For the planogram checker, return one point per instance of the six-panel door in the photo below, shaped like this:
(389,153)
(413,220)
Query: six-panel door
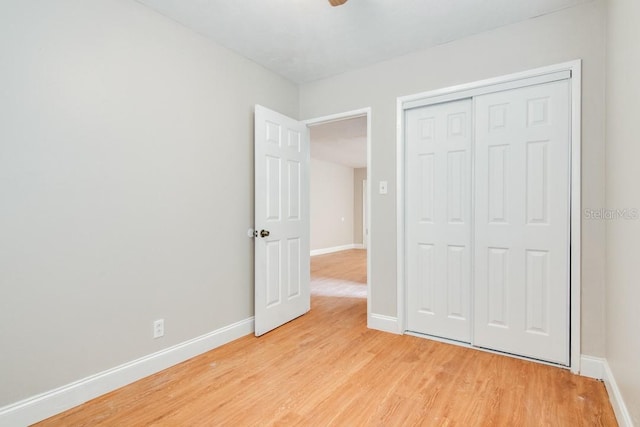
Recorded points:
(439,219)
(522,184)
(282,278)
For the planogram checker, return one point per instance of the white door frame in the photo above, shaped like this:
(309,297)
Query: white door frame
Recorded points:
(365,198)
(362,112)
(488,86)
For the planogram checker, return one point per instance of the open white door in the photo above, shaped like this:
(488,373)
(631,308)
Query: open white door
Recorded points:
(281,220)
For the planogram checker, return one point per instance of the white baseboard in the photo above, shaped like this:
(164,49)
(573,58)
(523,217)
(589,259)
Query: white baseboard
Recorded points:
(45,405)
(383,323)
(333,249)
(598,368)
(592,367)
(615,397)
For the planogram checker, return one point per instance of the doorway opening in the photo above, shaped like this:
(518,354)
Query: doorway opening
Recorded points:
(340,207)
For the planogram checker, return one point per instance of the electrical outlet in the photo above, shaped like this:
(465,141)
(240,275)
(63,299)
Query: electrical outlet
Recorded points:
(158,328)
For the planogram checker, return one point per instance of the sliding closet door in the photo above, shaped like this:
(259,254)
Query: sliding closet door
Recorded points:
(522,183)
(438,167)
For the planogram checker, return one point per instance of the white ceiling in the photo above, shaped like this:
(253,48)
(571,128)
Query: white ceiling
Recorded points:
(343,142)
(306,40)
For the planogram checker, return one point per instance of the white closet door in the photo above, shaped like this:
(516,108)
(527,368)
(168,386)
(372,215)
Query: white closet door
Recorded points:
(439,219)
(521,271)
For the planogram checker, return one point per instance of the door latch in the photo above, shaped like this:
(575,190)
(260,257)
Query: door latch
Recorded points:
(255,233)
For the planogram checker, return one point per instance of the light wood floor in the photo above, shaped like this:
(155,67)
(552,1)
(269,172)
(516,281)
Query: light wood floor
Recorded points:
(327,368)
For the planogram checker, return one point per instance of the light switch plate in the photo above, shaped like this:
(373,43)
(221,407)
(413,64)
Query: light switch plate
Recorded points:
(383,187)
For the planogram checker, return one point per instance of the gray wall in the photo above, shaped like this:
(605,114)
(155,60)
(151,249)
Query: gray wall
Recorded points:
(126,186)
(567,35)
(331,202)
(359,175)
(623,178)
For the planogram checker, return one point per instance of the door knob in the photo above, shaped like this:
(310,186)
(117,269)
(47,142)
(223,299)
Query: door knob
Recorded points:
(264,233)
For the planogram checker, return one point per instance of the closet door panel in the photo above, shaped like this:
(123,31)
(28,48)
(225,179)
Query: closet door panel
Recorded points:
(521,229)
(439,219)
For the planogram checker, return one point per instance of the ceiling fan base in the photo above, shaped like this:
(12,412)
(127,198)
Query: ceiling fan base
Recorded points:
(337,2)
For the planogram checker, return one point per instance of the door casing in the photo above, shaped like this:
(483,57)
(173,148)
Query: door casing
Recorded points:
(573,69)
(365,198)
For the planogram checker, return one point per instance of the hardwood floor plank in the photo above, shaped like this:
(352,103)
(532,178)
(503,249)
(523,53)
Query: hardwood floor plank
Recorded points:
(326,368)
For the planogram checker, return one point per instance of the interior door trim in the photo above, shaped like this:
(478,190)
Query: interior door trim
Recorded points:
(571,70)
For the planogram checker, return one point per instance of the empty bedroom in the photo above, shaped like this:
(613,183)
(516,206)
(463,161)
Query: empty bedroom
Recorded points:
(319,212)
